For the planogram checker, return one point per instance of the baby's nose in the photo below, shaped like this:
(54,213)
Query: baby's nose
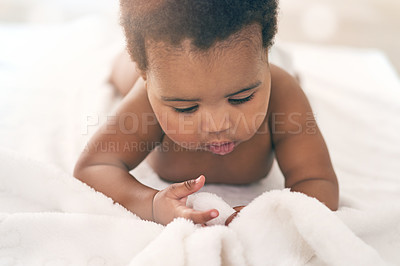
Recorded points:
(216,123)
(217,132)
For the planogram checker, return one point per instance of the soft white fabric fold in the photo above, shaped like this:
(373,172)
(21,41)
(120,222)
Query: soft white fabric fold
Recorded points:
(48,216)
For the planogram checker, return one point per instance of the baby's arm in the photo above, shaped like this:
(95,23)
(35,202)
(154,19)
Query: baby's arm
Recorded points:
(300,149)
(110,154)
(118,147)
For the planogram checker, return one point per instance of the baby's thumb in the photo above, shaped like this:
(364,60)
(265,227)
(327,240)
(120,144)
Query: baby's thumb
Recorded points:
(184,189)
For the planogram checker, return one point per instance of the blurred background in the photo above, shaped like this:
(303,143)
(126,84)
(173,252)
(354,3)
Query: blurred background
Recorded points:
(355,23)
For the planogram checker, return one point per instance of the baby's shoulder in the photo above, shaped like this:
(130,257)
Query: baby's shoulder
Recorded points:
(136,114)
(289,109)
(286,92)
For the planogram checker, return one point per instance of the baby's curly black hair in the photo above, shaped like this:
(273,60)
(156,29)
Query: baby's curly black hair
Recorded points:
(204,22)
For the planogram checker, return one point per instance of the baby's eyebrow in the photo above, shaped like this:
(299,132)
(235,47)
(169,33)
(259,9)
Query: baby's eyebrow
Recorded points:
(169,99)
(255,85)
(172,99)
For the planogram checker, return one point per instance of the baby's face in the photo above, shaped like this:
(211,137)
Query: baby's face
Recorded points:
(214,97)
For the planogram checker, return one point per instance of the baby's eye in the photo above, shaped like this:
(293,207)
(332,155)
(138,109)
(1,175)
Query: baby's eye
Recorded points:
(186,110)
(243,100)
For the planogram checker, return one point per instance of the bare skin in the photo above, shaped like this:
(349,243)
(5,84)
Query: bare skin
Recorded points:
(277,121)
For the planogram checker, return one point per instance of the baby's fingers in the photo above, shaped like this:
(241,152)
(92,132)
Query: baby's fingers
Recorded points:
(230,218)
(198,217)
(184,189)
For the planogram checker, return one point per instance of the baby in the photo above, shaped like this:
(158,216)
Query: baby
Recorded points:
(204,102)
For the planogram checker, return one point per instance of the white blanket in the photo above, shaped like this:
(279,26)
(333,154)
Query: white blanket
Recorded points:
(52,101)
(48,217)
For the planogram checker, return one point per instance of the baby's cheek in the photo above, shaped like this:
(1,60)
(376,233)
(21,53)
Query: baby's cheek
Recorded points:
(257,120)
(180,125)
(185,140)
(243,125)
(257,116)
(181,130)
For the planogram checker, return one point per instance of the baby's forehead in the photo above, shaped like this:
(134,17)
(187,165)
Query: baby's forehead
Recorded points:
(248,35)
(248,40)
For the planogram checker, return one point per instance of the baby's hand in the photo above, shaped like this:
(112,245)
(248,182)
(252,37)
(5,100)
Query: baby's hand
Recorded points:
(230,218)
(170,203)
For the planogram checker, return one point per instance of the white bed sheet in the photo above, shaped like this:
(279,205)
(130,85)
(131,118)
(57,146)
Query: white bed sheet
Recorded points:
(54,94)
